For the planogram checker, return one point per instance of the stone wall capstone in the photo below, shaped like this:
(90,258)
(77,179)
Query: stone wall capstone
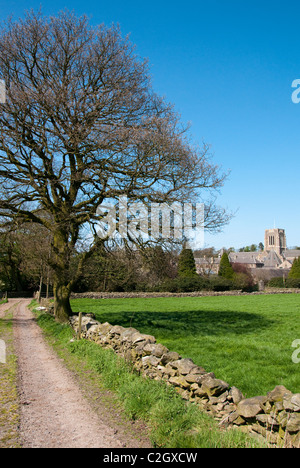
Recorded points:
(276,416)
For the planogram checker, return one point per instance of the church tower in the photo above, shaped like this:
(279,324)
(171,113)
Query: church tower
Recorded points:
(275,239)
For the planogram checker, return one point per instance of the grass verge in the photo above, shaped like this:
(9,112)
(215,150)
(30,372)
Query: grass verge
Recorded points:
(172,423)
(9,406)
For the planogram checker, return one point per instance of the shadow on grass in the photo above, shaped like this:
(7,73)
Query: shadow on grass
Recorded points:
(189,322)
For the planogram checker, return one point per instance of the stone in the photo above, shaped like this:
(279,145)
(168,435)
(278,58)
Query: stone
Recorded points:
(179,382)
(169,357)
(104,328)
(150,361)
(295,440)
(170,371)
(184,366)
(193,378)
(139,348)
(293,422)
(197,370)
(220,399)
(214,387)
(251,407)
(206,376)
(149,348)
(138,337)
(127,335)
(235,395)
(235,418)
(267,420)
(278,405)
(93,330)
(282,418)
(183,393)
(200,393)
(278,393)
(295,401)
(159,350)
(117,330)
(291,402)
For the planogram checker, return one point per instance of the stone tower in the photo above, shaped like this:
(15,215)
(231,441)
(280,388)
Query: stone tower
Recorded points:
(275,239)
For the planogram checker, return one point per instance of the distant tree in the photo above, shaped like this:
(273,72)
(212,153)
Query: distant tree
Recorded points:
(261,246)
(295,270)
(249,248)
(225,269)
(186,263)
(242,276)
(24,254)
(208,252)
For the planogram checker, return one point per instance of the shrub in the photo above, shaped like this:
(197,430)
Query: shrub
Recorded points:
(186,264)
(276,283)
(218,283)
(225,270)
(244,282)
(295,270)
(185,284)
(292,283)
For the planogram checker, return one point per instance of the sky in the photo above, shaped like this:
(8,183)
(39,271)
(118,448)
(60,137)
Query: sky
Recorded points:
(228,68)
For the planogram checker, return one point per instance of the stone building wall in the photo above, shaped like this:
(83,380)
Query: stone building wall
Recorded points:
(275,416)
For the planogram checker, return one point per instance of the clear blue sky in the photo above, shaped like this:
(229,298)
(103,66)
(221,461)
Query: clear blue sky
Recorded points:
(228,67)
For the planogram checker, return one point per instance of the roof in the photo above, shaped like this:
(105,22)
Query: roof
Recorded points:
(272,260)
(292,253)
(244,257)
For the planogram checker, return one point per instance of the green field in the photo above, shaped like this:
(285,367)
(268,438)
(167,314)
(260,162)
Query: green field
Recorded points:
(244,340)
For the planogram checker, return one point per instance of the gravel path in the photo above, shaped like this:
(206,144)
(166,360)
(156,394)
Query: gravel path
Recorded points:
(54,413)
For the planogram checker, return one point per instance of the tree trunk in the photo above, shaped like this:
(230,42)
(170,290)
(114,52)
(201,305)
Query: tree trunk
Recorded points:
(61,281)
(62,307)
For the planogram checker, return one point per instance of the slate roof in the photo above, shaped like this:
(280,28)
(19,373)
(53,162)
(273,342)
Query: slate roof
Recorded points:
(272,260)
(244,257)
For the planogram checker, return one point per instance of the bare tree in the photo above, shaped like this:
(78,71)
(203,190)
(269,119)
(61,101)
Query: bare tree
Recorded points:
(81,124)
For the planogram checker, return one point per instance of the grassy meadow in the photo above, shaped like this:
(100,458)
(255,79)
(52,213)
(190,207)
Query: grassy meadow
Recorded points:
(244,340)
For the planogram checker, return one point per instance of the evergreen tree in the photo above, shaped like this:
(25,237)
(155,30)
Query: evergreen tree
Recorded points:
(225,270)
(186,263)
(295,270)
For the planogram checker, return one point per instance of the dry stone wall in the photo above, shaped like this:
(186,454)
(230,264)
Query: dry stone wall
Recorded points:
(275,416)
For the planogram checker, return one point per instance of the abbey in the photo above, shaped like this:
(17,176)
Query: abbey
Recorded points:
(275,260)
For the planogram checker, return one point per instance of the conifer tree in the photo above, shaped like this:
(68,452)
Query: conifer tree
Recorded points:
(295,270)
(186,264)
(225,269)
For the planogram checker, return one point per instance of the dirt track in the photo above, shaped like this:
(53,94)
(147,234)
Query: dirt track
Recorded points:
(54,413)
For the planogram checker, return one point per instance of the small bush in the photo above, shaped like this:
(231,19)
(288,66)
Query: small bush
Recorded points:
(185,284)
(218,283)
(276,283)
(292,283)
